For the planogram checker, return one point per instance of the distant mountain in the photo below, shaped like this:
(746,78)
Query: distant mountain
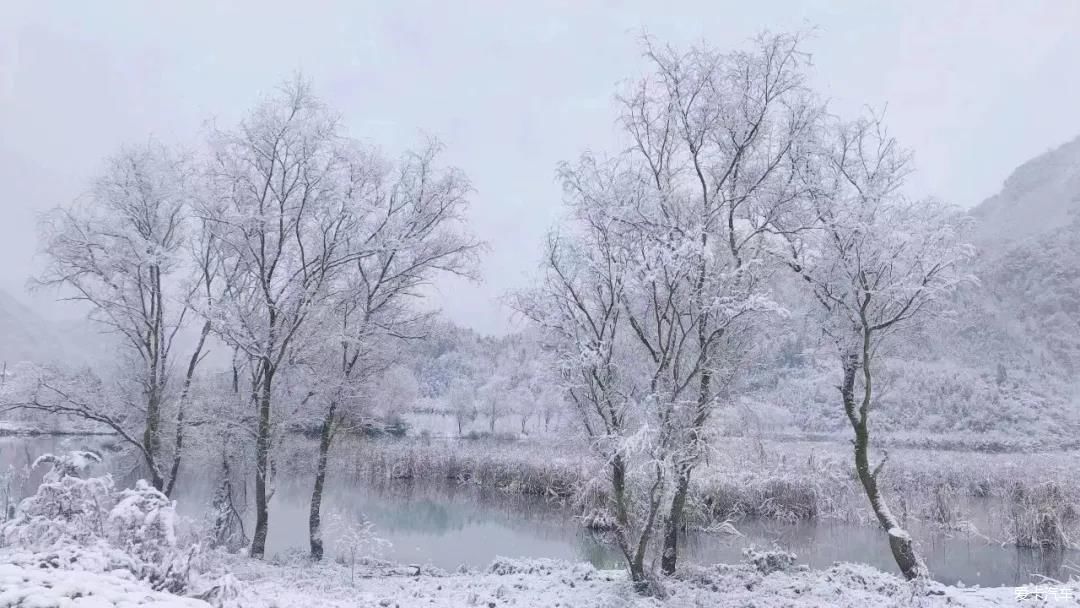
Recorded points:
(1041,196)
(1005,370)
(1029,263)
(26,336)
(1019,332)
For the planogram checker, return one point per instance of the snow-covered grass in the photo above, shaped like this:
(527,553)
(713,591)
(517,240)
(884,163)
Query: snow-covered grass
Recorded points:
(519,467)
(543,583)
(988,494)
(240,582)
(1042,517)
(52,426)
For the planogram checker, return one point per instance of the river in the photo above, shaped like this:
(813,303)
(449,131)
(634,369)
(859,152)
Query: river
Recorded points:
(450,525)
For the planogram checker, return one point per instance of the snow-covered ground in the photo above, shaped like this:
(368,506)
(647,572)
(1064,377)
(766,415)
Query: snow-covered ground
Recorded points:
(239,582)
(23,586)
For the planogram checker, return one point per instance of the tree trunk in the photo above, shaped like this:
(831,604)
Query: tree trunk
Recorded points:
(178,449)
(635,560)
(676,519)
(675,522)
(900,543)
(262,462)
(315,514)
(618,486)
(155,350)
(150,437)
(637,575)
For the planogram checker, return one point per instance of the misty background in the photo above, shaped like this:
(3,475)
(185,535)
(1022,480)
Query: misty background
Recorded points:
(975,88)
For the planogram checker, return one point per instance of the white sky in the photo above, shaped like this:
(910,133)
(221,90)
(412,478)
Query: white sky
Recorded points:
(975,88)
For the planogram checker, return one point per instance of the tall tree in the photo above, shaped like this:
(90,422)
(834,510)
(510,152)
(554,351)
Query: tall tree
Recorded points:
(409,230)
(720,139)
(285,185)
(875,262)
(610,378)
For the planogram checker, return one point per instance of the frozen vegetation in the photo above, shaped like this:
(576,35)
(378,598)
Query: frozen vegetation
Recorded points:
(740,317)
(79,542)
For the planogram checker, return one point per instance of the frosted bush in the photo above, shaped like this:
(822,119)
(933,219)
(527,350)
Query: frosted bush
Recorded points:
(143,520)
(354,539)
(768,562)
(73,519)
(143,523)
(65,509)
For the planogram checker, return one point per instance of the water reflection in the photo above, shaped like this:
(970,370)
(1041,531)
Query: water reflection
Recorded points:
(448,525)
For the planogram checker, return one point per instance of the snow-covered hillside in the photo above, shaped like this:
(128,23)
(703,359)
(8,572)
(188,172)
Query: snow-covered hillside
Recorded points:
(1002,370)
(1040,196)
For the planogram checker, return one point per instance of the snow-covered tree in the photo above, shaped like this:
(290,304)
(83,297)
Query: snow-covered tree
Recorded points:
(122,253)
(718,140)
(875,262)
(322,244)
(608,375)
(408,230)
(462,402)
(666,263)
(284,186)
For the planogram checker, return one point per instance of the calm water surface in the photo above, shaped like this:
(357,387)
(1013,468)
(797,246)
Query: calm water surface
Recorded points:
(449,525)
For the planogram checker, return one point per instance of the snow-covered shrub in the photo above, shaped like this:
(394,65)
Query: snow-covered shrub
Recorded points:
(73,521)
(65,509)
(599,519)
(143,523)
(228,592)
(768,562)
(224,526)
(353,539)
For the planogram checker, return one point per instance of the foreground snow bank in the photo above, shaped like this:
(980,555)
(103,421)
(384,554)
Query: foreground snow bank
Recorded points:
(528,583)
(245,583)
(23,586)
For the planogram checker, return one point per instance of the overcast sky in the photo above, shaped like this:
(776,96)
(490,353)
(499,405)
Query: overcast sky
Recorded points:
(975,88)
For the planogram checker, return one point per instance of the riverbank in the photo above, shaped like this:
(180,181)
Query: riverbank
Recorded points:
(10,428)
(1025,500)
(58,553)
(239,582)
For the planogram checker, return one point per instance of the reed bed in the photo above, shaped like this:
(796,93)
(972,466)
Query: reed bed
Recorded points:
(1030,500)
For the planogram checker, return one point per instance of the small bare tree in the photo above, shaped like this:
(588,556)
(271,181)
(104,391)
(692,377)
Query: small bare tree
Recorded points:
(874,261)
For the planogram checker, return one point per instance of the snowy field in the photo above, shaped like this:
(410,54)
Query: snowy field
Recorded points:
(506,583)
